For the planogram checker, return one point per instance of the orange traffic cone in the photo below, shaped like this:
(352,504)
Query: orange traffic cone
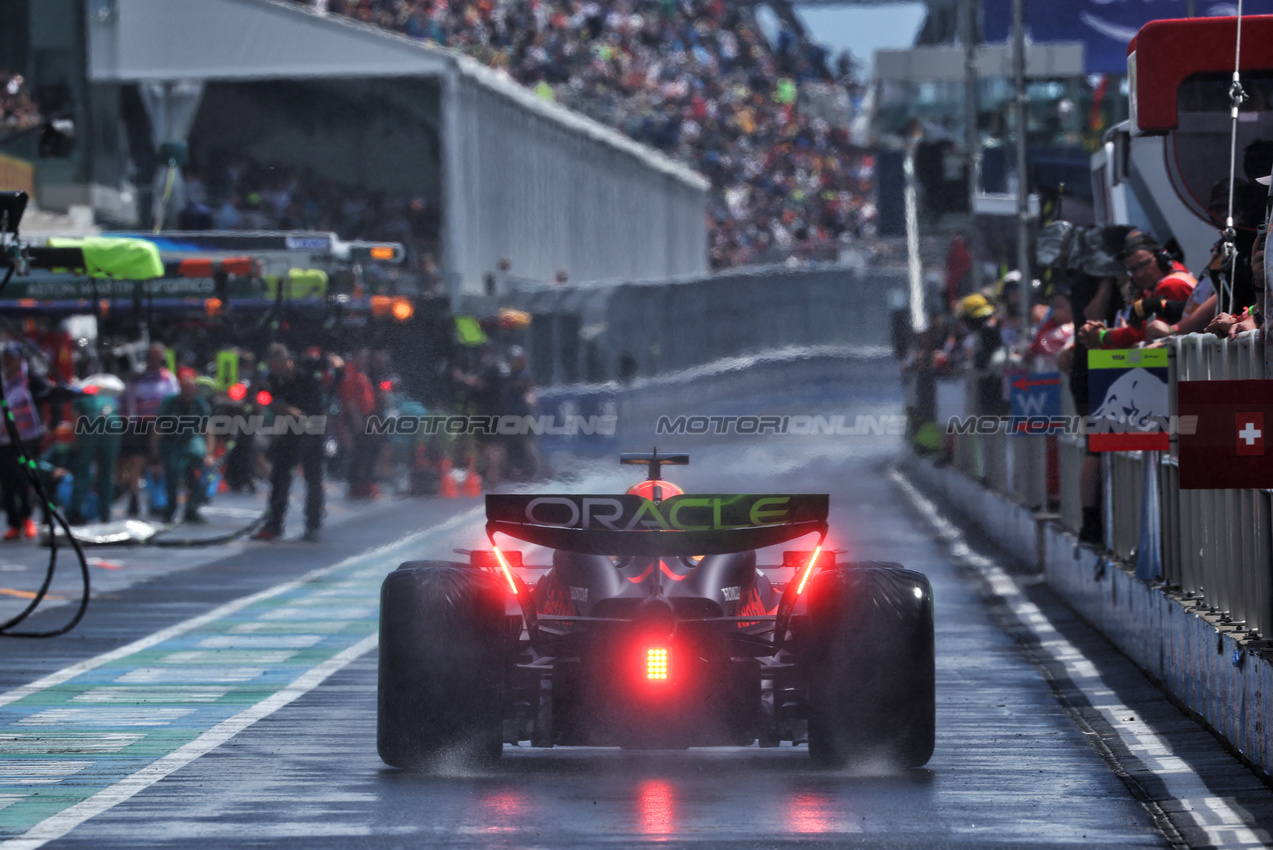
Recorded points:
(447,488)
(472,485)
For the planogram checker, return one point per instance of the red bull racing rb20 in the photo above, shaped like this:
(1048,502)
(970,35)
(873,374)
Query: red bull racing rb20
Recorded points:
(655,624)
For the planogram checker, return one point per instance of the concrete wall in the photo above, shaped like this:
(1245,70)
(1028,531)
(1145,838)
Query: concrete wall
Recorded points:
(1227,682)
(583,334)
(551,191)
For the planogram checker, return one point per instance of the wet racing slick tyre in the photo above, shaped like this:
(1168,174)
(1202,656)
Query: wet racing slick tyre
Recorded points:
(440,681)
(868,657)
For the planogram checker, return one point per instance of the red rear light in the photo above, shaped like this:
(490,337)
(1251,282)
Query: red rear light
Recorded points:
(264,399)
(237,392)
(808,570)
(656,662)
(506,569)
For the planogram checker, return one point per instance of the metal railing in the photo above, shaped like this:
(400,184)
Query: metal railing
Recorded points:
(1122,476)
(1216,545)
(1070,453)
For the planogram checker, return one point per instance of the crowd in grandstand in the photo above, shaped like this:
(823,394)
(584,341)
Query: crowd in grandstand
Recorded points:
(696,79)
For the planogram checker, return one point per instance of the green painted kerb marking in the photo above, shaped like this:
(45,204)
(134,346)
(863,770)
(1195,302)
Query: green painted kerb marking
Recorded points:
(89,737)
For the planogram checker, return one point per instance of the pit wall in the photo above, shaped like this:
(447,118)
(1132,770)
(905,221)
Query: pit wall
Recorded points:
(591,334)
(1202,662)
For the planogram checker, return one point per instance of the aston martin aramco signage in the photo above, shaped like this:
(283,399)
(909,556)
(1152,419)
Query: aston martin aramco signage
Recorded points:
(70,287)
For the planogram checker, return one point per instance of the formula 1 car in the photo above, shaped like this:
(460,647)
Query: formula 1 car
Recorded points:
(654,627)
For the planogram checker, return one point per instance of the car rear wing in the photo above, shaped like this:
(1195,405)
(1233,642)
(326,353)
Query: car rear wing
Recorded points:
(711,524)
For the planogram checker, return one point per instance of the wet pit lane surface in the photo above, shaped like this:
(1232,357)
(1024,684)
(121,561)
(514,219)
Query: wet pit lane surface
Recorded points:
(262,717)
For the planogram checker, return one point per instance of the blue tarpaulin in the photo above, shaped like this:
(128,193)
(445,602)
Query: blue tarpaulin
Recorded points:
(1104,26)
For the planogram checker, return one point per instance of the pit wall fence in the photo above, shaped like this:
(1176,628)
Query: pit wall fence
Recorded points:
(1183,582)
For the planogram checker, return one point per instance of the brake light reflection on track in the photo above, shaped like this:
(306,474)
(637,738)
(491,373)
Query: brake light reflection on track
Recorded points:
(818,813)
(656,807)
(504,810)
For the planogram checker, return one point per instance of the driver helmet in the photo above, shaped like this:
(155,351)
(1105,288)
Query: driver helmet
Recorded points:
(655,490)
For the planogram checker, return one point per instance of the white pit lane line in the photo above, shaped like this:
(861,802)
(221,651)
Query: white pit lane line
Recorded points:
(67,819)
(64,821)
(1222,824)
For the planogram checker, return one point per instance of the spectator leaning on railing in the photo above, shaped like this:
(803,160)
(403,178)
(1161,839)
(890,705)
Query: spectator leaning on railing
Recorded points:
(1205,319)
(1157,280)
(1228,325)
(1056,332)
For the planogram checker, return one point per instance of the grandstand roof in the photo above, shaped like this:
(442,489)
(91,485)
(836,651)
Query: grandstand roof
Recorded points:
(137,40)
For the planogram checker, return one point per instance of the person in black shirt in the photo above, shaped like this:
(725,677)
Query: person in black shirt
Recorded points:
(299,400)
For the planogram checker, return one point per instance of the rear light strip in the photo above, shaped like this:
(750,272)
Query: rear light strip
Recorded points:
(795,587)
(808,570)
(517,586)
(506,570)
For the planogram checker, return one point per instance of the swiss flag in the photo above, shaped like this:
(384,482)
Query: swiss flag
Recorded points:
(1223,440)
(1250,428)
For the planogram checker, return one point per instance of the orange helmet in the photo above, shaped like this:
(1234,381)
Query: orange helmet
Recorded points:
(655,490)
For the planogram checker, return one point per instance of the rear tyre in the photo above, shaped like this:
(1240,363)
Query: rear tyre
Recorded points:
(868,657)
(440,683)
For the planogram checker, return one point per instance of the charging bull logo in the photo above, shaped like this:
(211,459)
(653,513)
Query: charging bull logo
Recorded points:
(1138,400)
(1129,400)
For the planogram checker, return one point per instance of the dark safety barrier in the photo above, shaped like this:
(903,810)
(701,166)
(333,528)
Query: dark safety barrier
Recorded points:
(598,333)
